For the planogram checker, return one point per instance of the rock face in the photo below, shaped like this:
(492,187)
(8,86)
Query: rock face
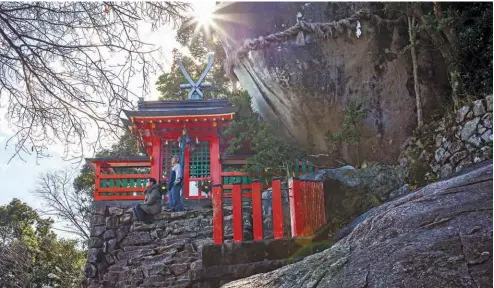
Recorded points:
(307,88)
(438,236)
(450,144)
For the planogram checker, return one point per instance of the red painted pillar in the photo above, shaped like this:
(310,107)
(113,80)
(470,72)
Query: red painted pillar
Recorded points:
(156,160)
(217,214)
(185,167)
(214,158)
(295,206)
(97,181)
(277,209)
(237,221)
(257,210)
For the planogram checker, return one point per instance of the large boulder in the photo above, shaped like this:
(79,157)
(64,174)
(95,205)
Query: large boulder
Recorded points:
(349,192)
(307,88)
(438,236)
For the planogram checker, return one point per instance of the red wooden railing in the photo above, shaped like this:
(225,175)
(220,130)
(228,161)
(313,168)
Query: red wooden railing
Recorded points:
(306,209)
(117,183)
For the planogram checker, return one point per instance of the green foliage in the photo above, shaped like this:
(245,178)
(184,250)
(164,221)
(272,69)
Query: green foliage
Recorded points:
(272,154)
(472,23)
(199,45)
(465,28)
(350,127)
(205,185)
(31,254)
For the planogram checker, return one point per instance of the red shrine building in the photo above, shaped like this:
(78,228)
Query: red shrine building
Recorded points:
(193,130)
(162,128)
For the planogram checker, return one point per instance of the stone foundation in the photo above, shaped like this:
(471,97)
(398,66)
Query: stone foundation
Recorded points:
(170,252)
(128,254)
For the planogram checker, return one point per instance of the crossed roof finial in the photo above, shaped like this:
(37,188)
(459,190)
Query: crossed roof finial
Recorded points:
(195,92)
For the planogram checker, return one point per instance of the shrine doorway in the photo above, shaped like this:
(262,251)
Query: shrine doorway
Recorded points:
(197,166)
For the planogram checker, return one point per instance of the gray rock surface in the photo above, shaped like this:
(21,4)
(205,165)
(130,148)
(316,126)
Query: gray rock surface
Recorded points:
(307,88)
(478,108)
(438,236)
(461,113)
(488,101)
(469,128)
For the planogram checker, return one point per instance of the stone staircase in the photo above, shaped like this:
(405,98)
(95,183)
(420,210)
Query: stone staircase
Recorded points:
(126,254)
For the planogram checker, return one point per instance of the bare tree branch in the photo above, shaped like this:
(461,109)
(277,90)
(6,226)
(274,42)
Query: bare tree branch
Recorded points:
(66,67)
(56,190)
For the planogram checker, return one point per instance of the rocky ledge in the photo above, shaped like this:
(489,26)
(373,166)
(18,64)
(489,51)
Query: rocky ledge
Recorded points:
(438,236)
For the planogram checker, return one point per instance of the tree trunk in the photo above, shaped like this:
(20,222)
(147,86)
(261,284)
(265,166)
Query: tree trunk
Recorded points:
(411,26)
(442,40)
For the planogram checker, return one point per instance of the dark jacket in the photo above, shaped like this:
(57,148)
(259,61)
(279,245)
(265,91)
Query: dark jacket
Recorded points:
(152,202)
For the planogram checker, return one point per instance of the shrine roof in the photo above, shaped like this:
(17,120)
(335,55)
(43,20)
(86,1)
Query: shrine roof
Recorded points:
(181,108)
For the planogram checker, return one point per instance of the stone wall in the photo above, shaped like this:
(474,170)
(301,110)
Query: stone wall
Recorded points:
(123,253)
(169,252)
(446,146)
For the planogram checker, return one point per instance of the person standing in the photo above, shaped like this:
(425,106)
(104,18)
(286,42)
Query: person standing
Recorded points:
(175,183)
(152,203)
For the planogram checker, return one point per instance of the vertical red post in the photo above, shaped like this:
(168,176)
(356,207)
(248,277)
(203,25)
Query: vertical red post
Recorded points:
(257,210)
(238,229)
(156,160)
(277,209)
(214,159)
(313,205)
(303,206)
(323,203)
(97,181)
(218,214)
(295,206)
(185,167)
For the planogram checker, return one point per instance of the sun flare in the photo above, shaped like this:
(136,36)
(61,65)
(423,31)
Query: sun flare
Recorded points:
(204,12)
(205,16)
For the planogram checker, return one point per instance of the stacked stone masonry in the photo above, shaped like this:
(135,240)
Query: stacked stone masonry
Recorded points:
(126,254)
(454,142)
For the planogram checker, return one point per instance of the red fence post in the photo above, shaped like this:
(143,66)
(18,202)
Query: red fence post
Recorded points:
(237,221)
(313,205)
(97,181)
(277,209)
(303,206)
(322,205)
(218,214)
(295,207)
(257,210)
